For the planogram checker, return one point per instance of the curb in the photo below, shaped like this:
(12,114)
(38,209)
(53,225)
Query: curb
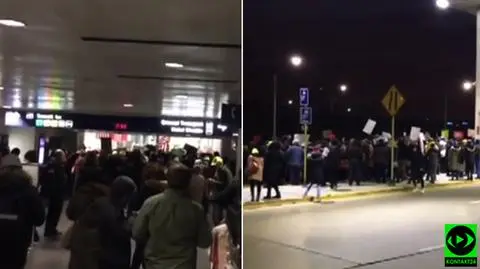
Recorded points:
(330,197)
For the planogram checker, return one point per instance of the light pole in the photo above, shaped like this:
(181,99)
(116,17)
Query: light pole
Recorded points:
(296,61)
(473,7)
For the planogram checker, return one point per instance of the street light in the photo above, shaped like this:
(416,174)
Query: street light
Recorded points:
(443,4)
(296,61)
(343,88)
(467,85)
(349,110)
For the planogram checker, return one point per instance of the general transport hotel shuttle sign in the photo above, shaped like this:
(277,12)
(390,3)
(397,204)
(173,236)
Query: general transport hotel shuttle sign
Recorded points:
(189,127)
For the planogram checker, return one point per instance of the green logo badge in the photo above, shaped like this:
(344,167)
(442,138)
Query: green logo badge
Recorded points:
(460,245)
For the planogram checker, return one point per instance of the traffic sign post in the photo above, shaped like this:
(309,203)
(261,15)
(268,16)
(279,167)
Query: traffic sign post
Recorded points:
(305,121)
(392,102)
(303,97)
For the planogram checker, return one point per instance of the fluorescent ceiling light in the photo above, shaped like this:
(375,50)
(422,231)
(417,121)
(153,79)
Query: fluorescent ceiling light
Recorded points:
(443,4)
(174,65)
(181,96)
(7,107)
(12,23)
(127,105)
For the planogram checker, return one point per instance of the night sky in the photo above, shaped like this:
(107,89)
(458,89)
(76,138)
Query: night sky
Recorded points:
(367,44)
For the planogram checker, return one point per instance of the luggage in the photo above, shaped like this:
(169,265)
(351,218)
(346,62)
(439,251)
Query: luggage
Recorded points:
(222,253)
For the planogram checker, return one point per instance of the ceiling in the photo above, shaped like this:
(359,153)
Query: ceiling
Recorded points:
(96,56)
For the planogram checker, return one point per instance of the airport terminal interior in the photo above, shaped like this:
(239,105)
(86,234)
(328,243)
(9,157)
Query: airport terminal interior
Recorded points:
(84,71)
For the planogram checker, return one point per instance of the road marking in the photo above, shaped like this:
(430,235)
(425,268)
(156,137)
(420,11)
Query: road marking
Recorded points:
(432,248)
(474,202)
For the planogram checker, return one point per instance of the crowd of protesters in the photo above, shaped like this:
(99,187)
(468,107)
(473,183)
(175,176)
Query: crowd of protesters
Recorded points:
(168,203)
(356,161)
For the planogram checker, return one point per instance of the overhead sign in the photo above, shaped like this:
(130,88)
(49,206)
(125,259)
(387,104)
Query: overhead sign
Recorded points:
(305,115)
(303,96)
(232,114)
(393,101)
(49,120)
(193,127)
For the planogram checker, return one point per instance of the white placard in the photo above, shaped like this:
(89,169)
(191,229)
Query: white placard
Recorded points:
(415,133)
(301,139)
(471,133)
(369,126)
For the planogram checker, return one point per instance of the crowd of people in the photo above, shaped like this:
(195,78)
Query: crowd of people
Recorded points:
(355,161)
(167,203)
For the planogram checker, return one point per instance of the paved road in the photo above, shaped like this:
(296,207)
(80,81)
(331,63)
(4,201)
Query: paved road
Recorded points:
(375,233)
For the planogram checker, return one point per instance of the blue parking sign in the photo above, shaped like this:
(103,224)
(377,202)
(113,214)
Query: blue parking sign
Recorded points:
(306,115)
(304,96)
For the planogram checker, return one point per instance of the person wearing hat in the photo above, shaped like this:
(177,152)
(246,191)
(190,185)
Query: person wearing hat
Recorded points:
(172,224)
(255,174)
(21,210)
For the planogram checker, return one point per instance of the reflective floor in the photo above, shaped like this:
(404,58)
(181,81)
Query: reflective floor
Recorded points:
(49,255)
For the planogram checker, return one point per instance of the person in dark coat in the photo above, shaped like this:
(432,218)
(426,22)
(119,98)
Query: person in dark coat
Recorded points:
(381,159)
(315,173)
(273,168)
(101,237)
(355,163)
(418,167)
(469,152)
(433,158)
(21,210)
(89,171)
(332,164)
(53,188)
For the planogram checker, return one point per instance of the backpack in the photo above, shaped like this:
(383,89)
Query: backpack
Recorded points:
(253,167)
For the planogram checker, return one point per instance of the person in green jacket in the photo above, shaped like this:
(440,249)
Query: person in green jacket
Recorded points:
(172,224)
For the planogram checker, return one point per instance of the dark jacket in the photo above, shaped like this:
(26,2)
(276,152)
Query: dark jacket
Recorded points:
(85,195)
(149,188)
(230,198)
(404,151)
(88,174)
(315,169)
(381,154)
(273,167)
(21,209)
(54,180)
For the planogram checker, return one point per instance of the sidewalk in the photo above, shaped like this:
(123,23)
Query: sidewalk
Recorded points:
(294,194)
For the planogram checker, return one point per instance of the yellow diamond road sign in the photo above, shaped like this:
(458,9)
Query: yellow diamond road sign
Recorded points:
(393,101)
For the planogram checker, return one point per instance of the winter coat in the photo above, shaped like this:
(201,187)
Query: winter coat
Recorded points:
(85,244)
(100,238)
(173,226)
(294,156)
(316,169)
(456,160)
(21,209)
(273,167)
(258,176)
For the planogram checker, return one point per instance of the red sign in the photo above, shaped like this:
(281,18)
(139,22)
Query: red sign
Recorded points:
(121,126)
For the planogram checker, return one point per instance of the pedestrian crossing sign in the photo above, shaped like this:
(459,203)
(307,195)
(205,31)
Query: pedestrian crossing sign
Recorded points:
(393,101)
